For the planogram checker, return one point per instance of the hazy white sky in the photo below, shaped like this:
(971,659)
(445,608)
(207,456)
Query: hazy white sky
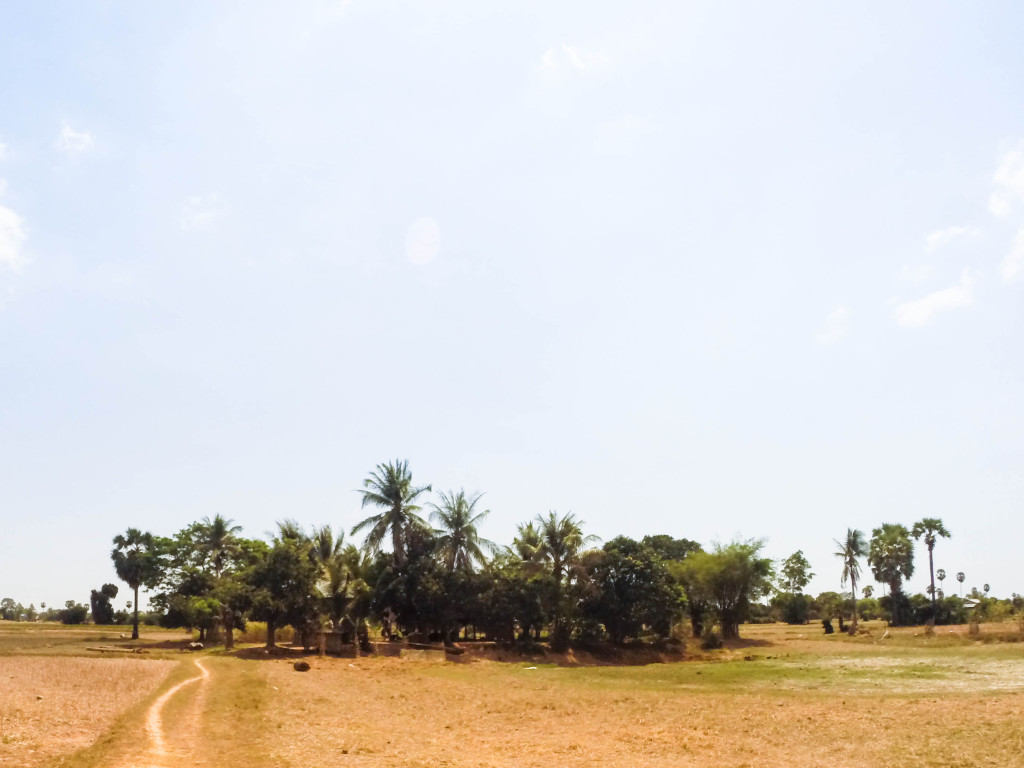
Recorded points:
(705,269)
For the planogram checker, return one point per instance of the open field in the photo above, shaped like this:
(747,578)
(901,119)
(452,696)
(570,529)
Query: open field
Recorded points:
(59,704)
(784,696)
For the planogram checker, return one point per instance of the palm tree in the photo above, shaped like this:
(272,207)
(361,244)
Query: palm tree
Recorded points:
(868,591)
(562,540)
(850,551)
(135,561)
(390,488)
(941,576)
(218,543)
(326,546)
(891,557)
(960,577)
(527,546)
(930,528)
(458,542)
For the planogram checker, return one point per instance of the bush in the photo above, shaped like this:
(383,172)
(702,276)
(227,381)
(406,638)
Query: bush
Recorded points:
(710,640)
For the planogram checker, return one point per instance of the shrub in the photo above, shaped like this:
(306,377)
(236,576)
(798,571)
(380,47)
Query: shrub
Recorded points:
(710,640)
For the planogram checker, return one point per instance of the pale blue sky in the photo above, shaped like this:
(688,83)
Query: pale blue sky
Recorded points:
(702,269)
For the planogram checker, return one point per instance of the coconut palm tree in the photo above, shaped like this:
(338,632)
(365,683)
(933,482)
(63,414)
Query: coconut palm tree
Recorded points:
(930,528)
(218,544)
(458,542)
(327,546)
(136,563)
(562,541)
(390,488)
(850,551)
(527,545)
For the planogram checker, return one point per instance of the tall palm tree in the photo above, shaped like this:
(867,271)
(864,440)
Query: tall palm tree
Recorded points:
(850,551)
(458,542)
(135,561)
(218,543)
(930,528)
(562,541)
(390,488)
(960,577)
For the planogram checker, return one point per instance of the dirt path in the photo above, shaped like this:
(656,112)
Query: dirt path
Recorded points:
(159,754)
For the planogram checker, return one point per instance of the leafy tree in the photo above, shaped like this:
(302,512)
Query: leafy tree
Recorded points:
(416,591)
(390,488)
(9,609)
(459,545)
(562,541)
(73,613)
(891,557)
(137,563)
(930,528)
(513,598)
(281,585)
(632,590)
(731,577)
(868,591)
(796,572)
(99,601)
(850,550)
(670,549)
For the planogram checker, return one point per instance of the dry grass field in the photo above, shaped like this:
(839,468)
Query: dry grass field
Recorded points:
(52,705)
(785,696)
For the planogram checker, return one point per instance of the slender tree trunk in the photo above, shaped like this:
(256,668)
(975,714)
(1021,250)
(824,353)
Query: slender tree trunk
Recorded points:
(271,629)
(853,623)
(135,622)
(229,629)
(931,570)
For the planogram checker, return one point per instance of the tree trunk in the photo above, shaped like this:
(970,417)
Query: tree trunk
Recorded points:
(931,570)
(229,629)
(135,622)
(271,629)
(853,622)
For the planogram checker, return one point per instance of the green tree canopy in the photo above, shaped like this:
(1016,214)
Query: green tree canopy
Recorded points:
(730,577)
(137,563)
(389,487)
(891,557)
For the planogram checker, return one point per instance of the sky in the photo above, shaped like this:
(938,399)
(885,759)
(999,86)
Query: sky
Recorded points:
(720,271)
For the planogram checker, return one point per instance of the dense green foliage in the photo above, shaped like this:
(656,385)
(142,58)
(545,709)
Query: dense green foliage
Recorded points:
(552,582)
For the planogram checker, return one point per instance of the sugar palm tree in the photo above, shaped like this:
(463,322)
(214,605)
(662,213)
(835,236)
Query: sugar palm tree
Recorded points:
(851,549)
(458,543)
(891,557)
(960,577)
(930,528)
(135,561)
(390,488)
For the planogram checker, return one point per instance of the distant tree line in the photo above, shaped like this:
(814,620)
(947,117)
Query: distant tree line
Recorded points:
(439,579)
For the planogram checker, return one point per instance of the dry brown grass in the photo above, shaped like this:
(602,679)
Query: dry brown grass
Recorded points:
(55,705)
(808,709)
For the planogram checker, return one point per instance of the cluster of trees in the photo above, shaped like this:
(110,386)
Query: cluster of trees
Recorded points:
(436,580)
(890,555)
(439,578)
